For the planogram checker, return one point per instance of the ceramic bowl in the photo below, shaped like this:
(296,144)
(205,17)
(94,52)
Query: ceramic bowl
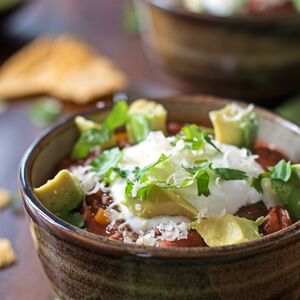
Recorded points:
(252,58)
(81,265)
(8,7)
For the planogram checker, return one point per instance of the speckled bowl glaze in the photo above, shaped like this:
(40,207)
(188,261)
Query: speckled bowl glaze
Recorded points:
(81,265)
(253,58)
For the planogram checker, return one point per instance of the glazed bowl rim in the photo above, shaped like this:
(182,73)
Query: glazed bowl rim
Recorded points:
(261,19)
(98,243)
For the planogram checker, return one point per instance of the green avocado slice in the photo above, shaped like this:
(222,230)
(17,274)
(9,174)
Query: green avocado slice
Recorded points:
(226,230)
(61,194)
(145,116)
(84,124)
(235,125)
(160,202)
(289,192)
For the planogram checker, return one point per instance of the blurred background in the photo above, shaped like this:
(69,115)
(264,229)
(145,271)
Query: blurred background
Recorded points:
(166,47)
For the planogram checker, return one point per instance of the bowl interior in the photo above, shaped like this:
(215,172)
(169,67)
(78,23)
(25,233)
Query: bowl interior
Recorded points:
(40,162)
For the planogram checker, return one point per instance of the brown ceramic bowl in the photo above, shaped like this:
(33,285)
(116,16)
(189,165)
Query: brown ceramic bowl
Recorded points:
(81,265)
(253,58)
(8,8)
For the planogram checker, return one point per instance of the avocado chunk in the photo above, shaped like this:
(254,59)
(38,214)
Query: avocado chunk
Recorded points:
(235,125)
(61,194)
(145,116)
(84,124)
(158,202)
(226,230)
(91,135)
(289,192)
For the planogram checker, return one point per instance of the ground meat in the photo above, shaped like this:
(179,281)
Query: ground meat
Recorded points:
(89,221)
(93,203)
(253,211)
(194,239)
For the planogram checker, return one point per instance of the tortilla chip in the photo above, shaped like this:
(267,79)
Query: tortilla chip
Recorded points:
(7,254)
(64,67)
(5,198)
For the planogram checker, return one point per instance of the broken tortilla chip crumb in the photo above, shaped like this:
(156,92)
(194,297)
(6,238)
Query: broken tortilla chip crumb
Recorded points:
(5,198)
(7,254)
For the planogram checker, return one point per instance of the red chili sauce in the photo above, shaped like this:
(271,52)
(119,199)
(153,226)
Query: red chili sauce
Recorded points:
(277,217)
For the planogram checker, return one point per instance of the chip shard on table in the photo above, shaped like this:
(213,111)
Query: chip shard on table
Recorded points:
(7,254)
(5,198)
(64,67)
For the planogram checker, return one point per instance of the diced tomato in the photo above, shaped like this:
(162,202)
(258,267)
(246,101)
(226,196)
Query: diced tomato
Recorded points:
(278,218)
(194,239)
(268,157)
(173,128)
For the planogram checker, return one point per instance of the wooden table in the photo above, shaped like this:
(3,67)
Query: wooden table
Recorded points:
(100,22)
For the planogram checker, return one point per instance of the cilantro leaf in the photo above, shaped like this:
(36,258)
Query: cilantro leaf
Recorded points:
(118,171)
(88,139)
(281,171)
(45,111)
(210,142)
(201,176)
(73,218)
(93,137)
(256,183)
(128,188)
(106,160)
(194,137)
(117,117)
(203,184)
(139,128)
(230,174)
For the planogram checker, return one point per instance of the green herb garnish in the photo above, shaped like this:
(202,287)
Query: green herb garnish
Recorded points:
(107,160)
(282,171)
(45,111)
(3,107)
(102,136)
(89,139)
(117,117)
(194,137)
(230,174)
(139,128)
(73,218)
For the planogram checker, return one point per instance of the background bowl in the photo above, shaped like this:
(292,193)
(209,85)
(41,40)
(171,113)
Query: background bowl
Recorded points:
(81,265)
(8,7)
(252,58)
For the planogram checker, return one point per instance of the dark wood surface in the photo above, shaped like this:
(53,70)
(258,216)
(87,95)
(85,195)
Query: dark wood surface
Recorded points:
(100,22)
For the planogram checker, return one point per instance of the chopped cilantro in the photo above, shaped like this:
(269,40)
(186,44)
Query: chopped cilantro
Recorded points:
(139,128)
(256,183)
(88,139)
(45,111)
(108,159)
(93,137)
(3,107)
(195,137)
(230,174)
(73,218)
(117,117)
(281,171)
